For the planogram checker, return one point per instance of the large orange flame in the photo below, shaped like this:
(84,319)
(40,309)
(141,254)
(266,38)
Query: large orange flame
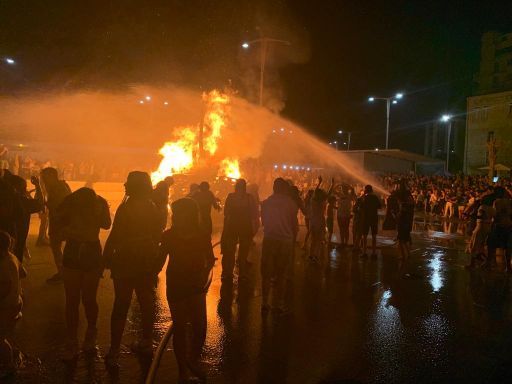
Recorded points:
(179,155)
(230,168)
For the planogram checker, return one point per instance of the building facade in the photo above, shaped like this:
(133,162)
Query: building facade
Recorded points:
(489,116)
(489,110)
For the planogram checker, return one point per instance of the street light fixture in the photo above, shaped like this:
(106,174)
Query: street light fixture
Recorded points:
(10,61)
(349,137)
(447,119)
(389,100)
(264,41)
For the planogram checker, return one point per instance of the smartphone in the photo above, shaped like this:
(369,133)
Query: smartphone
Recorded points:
(495,179)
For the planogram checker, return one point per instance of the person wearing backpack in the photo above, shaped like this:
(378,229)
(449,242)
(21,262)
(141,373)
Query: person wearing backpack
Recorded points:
(130,253)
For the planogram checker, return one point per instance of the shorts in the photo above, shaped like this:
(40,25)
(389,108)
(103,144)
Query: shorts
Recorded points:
(82,255)
(370,225)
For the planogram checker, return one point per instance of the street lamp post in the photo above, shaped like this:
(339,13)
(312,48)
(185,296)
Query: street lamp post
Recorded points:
(349,137)
(389,100)
(447,119)
(264,42)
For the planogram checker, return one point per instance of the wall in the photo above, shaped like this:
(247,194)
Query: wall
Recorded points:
(486,113)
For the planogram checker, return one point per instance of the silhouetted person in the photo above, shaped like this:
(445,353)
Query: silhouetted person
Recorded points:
(343,215)
(11,211)
(193,189)
(357,223)
(501,232)
(317,220)
(206,200)
(370,207)
(56,191)
(82,214)
(279,220)
(240,226)
(404,219)
(130,253)
(29,206)
(10,303)
(188,277)
(160,197)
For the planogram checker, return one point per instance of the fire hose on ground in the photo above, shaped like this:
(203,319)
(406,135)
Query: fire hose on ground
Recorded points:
(155,364)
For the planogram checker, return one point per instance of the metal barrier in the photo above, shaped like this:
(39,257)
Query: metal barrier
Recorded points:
(155,364)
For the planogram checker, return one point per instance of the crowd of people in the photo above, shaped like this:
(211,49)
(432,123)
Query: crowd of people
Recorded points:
(142,239)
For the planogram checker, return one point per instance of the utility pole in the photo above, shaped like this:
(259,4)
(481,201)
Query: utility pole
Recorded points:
(491,154)
(264,43)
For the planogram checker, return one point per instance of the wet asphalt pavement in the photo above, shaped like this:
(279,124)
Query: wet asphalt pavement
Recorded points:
(354,320)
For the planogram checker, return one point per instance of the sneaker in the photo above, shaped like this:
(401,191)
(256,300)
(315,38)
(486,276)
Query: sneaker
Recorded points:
(55,279)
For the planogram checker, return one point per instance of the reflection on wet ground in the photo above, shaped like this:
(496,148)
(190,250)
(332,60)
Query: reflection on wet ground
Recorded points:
(353,320)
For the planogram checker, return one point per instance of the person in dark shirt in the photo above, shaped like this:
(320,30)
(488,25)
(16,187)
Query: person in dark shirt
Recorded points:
(241,223)
(56,192)
(370,207)
(206,200)
(188,277)
(131,252)
(279,219)
(404,215)
(29,206)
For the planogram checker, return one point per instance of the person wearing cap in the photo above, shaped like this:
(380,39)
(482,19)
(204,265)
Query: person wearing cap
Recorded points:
(370,207)
(189,248)
(241,222)
(279,220)
(130,253)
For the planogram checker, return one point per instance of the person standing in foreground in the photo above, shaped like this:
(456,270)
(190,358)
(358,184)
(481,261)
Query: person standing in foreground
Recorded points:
(160,197)
(404,220)
(56,192)
(82,214)
(241,223)
(191,259)
(501,233)
(279,219)
(130,253)
(370,207)
(10,303)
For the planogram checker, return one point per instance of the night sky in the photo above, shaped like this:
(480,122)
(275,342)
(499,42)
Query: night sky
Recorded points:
(341,52)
